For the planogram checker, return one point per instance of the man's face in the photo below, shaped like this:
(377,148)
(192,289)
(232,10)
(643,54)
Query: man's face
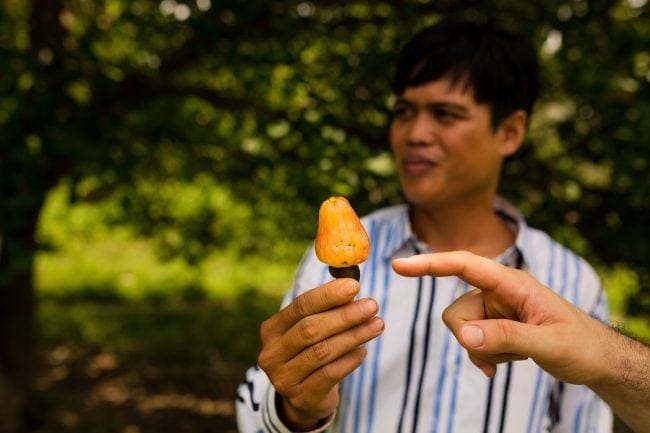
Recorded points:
(444,146)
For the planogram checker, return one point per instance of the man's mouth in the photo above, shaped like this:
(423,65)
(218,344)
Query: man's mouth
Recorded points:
(415,166)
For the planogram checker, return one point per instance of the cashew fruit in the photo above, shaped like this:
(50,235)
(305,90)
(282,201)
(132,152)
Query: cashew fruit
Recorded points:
(341,241)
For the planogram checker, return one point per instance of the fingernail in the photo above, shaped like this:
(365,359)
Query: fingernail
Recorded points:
(350,287)
(377,324)
(473,335)
(369,306)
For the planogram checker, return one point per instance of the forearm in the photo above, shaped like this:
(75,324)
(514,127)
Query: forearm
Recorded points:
(626,383)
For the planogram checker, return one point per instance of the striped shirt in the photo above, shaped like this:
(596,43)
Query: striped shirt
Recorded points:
(416,377)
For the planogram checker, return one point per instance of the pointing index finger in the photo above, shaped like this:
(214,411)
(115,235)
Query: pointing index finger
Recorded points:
(478,271)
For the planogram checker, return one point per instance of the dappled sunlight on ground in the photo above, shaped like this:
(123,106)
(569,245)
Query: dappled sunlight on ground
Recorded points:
(85,391)
(190,403)
(148,367)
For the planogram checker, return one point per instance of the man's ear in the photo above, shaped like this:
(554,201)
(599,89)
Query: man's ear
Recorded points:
(511,132)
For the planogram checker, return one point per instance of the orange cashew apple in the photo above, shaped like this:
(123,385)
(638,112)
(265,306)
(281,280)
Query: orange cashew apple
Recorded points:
(341,242)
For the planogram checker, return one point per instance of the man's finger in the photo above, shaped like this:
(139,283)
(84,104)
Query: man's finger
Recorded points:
(468,306)
(488,368)
(337,292)
(477,271)
(318,327)
(323,379)
(326,351)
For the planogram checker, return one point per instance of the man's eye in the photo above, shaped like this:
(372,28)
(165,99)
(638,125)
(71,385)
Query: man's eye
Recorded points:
(446,116)
(402,112)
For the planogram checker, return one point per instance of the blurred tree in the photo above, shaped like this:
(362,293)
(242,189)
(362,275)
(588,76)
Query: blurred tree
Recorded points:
(285,103)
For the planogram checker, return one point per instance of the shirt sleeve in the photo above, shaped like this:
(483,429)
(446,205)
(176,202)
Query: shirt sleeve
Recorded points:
(256,398)
(256,406)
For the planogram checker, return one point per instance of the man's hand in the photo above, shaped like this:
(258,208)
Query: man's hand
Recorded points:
(312,344)
(512,316)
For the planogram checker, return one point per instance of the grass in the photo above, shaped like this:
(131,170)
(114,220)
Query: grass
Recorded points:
(114,269)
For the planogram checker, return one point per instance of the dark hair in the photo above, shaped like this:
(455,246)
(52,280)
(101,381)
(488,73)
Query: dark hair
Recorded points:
(499,66)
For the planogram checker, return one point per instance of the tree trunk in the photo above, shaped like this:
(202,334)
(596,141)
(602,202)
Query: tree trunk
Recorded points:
(17,307)
(24,180)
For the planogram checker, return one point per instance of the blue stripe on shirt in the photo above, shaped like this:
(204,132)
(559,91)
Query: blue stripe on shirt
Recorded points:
(565,266)
(589,416)
(551,277)
(382,308)
(533,406)
(544,406)
(576,284)
(411,351)
(536,391)
(562,286)
(425,354)
(348,386)
(374,240)
(578,419)
(454,389)
(442,374)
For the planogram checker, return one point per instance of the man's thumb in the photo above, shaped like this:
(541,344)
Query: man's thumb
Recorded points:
(498,336)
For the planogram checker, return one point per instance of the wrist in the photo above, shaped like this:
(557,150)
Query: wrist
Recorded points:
(626,386)
(615,363)
(295,419)
(594,353)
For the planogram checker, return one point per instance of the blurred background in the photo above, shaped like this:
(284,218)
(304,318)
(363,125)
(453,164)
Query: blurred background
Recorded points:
(162,164)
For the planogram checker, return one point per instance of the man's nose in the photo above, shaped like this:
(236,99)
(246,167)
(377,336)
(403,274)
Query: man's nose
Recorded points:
(421,130)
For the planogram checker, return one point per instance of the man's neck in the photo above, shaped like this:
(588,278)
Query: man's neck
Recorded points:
(472,227)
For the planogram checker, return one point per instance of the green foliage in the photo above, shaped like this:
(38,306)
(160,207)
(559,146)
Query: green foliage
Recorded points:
(213,130)
(96,252)
(622,284)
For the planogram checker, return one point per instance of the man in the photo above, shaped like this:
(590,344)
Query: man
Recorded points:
(376,357)
(539,324)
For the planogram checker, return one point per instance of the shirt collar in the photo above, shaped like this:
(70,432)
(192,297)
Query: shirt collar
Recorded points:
(503,208)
